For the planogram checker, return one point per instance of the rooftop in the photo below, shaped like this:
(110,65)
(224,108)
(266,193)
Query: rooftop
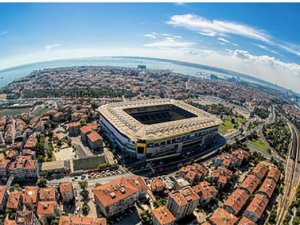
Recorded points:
(250,183)
(66,187)
(184,196)
(30,195)
(13,200)
(222,217)
(163,215)
(116,190)
(46,207)
(94,136)
(237,200)
(260,170)
(258,205)
(246,221)
(268,187)
(75,220)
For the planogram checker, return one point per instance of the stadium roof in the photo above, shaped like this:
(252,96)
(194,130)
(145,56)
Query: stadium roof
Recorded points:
(134,130)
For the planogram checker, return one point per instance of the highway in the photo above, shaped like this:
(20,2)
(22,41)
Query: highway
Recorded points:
(291,176)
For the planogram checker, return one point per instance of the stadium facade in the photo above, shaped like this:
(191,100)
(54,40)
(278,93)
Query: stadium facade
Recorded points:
(156,128)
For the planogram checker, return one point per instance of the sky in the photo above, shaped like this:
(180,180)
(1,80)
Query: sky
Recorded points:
(261,40)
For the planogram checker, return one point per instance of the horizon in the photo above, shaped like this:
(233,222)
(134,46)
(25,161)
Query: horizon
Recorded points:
(245,77)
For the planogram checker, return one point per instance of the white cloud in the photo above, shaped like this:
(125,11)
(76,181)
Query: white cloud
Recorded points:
(266,48)
(169,42)
(153,36)
(223,40)
(267,60)
(294,49)
(216,27)
(221,28)
(52,46)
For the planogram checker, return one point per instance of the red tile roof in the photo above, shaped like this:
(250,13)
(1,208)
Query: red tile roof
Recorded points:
(274,173)
(30,195)
(268,187)
(74,220)
(184,196)
(205,190)
(65,187)
(237,200)
(13,200)
(163,215)
(9,222)
(2,192)
(250,183)
(48,193)
(246,221)
(258,205)
(94,136)
(46,207)
(157,184)
(85,129)
(260,170)
(222,217)
(118,189)
(74,124)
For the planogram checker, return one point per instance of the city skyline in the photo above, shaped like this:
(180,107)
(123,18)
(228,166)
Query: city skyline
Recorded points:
(256,39)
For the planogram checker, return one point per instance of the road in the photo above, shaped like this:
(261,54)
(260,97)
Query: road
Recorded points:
(291,177)
(91,182)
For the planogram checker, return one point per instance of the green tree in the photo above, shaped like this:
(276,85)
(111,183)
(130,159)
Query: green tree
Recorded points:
(83,184)
(145,216)
(41,182)
(85,209)
(82,122)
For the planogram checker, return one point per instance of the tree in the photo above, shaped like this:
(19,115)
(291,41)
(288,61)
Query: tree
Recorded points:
(55,221)
(42,182)
(82,122)
(145,216)
(85,209)
(69,142)
(83,184)
(10,214)
(159,202)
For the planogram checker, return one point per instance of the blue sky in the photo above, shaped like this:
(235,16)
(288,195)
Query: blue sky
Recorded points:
(261,40)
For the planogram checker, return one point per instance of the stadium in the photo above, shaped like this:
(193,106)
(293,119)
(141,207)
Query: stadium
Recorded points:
(156,128)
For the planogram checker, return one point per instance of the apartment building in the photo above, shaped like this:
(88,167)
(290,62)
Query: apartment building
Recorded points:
(260,170)
(222,217)
(76,220)
(206,192)
(118,195)
(95,141)
(249,184)
(162,216)
(30,196)
(24,167)
(14,201)
(256,208)
(3,198)
(66,191)
(236,201)
(182,202)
